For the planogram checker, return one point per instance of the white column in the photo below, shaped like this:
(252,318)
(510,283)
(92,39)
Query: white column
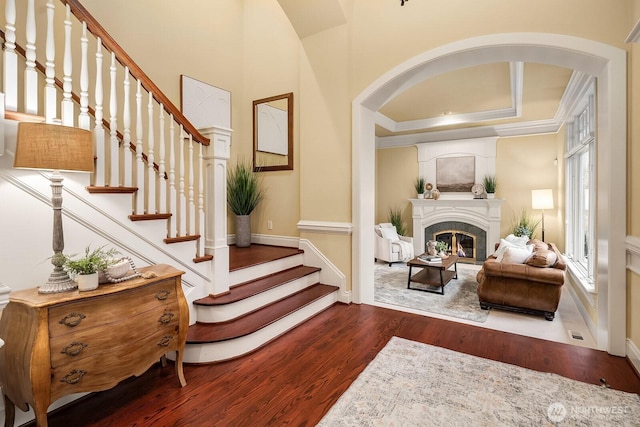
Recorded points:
(215,159)
(67,68)
(30,73)
(84,121)
(98,130)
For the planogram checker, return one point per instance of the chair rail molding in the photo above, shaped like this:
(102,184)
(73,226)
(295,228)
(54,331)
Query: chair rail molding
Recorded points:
(329,227)
(632,244)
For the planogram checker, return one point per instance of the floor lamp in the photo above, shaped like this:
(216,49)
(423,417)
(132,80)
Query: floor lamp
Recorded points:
(542,199)
(55,148)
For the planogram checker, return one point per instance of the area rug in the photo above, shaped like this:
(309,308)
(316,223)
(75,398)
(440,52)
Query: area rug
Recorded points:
(414,384)
(460,298)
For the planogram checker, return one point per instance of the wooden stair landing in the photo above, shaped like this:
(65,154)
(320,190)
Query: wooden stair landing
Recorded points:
(258,254)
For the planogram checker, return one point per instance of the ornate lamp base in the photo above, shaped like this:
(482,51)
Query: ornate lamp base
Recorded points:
(59,281)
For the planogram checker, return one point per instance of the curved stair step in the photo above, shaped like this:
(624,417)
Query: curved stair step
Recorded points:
(213,342)
(253,287)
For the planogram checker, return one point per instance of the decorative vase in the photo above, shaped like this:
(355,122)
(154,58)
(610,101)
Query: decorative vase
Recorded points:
(243,231)
(435,193)
(87,282)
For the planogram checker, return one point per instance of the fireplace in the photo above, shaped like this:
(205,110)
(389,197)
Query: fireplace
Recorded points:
(465,240)
(468,225)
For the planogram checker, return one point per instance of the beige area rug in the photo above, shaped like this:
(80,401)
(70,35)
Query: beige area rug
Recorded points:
(414,384)
(460,297)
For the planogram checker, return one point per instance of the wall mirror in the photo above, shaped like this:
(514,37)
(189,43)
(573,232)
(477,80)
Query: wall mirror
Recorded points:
(273,133)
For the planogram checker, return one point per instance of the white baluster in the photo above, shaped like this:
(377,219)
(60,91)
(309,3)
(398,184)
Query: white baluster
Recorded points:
(192,209)
(50,92)
(67,102)
(182,202)
(139,205)
(151,173)
(10,58)
(201,218)
(114,158)
(126,137)
(162,182)
(30,73)
(84,121)
(98,130)
(173,207)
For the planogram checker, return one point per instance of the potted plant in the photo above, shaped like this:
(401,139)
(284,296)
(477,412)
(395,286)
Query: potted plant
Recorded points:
(243,195)
(524,225)
(442,248)
(395,218)
(419,185)
(87,267)
(490,185)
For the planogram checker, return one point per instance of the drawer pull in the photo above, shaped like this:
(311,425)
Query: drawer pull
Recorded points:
(163,295)
(72,319)
(74,349)
(73,377)
(165,340)
(166,317)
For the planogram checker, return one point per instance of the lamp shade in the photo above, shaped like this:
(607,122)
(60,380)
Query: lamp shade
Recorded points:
(542,199)
(53,147)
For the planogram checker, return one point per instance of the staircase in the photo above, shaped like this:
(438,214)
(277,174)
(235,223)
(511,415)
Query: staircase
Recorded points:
(147,197)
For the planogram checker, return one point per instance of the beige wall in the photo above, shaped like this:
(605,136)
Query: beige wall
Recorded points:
(396,172)
(524,164)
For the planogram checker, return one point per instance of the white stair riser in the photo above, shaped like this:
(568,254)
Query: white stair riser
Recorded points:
(224,350)
(221,313)
(250,273)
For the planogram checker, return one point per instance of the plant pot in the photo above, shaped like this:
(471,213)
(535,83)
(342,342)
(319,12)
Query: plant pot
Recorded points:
(87,282)
(421,196)
(243,231)
(491,195)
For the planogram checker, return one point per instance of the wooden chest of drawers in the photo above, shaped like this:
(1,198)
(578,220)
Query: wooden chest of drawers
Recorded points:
(74,342)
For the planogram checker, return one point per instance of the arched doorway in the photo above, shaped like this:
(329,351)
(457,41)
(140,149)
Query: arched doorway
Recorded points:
(606,63)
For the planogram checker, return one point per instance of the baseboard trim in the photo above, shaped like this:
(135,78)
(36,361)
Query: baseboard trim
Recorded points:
(633,354)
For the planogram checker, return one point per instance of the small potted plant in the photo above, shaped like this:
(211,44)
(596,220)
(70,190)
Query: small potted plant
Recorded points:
(490,185)
(524,225)
(442,248)
(87,267)
(419,185)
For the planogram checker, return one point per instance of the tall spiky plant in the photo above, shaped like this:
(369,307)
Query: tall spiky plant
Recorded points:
(243,189)
(395,218)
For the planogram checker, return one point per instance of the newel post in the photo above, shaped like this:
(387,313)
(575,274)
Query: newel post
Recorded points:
(215,159)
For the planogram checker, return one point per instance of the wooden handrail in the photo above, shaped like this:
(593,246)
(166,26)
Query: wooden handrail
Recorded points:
(125,60)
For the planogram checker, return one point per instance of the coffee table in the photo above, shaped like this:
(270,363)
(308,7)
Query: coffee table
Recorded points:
(433,274)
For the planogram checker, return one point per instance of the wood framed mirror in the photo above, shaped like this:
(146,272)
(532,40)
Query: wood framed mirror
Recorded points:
(273,133)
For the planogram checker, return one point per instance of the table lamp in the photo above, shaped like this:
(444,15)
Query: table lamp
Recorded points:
(56,148)
(542,199)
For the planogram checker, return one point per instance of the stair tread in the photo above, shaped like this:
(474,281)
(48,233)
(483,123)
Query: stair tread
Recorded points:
(254,321)
(256,254)
(256,286)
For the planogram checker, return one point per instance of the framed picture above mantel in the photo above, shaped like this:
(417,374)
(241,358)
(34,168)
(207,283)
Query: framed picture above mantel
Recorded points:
(455,174)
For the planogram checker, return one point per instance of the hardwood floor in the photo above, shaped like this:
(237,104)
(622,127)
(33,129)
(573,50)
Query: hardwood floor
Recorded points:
(295,379)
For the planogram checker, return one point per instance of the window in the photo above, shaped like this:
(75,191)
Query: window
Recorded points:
(580,191)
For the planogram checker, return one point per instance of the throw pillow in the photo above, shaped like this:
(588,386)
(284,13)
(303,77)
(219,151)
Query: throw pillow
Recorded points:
(516,254)
(518,241)
(389,233)
(543,258)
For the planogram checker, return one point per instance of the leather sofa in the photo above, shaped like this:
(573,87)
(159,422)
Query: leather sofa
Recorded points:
(532,287)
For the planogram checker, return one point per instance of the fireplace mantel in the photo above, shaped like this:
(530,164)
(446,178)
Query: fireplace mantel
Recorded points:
(483,213)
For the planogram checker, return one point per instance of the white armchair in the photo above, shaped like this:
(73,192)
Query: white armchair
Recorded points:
(391,247)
